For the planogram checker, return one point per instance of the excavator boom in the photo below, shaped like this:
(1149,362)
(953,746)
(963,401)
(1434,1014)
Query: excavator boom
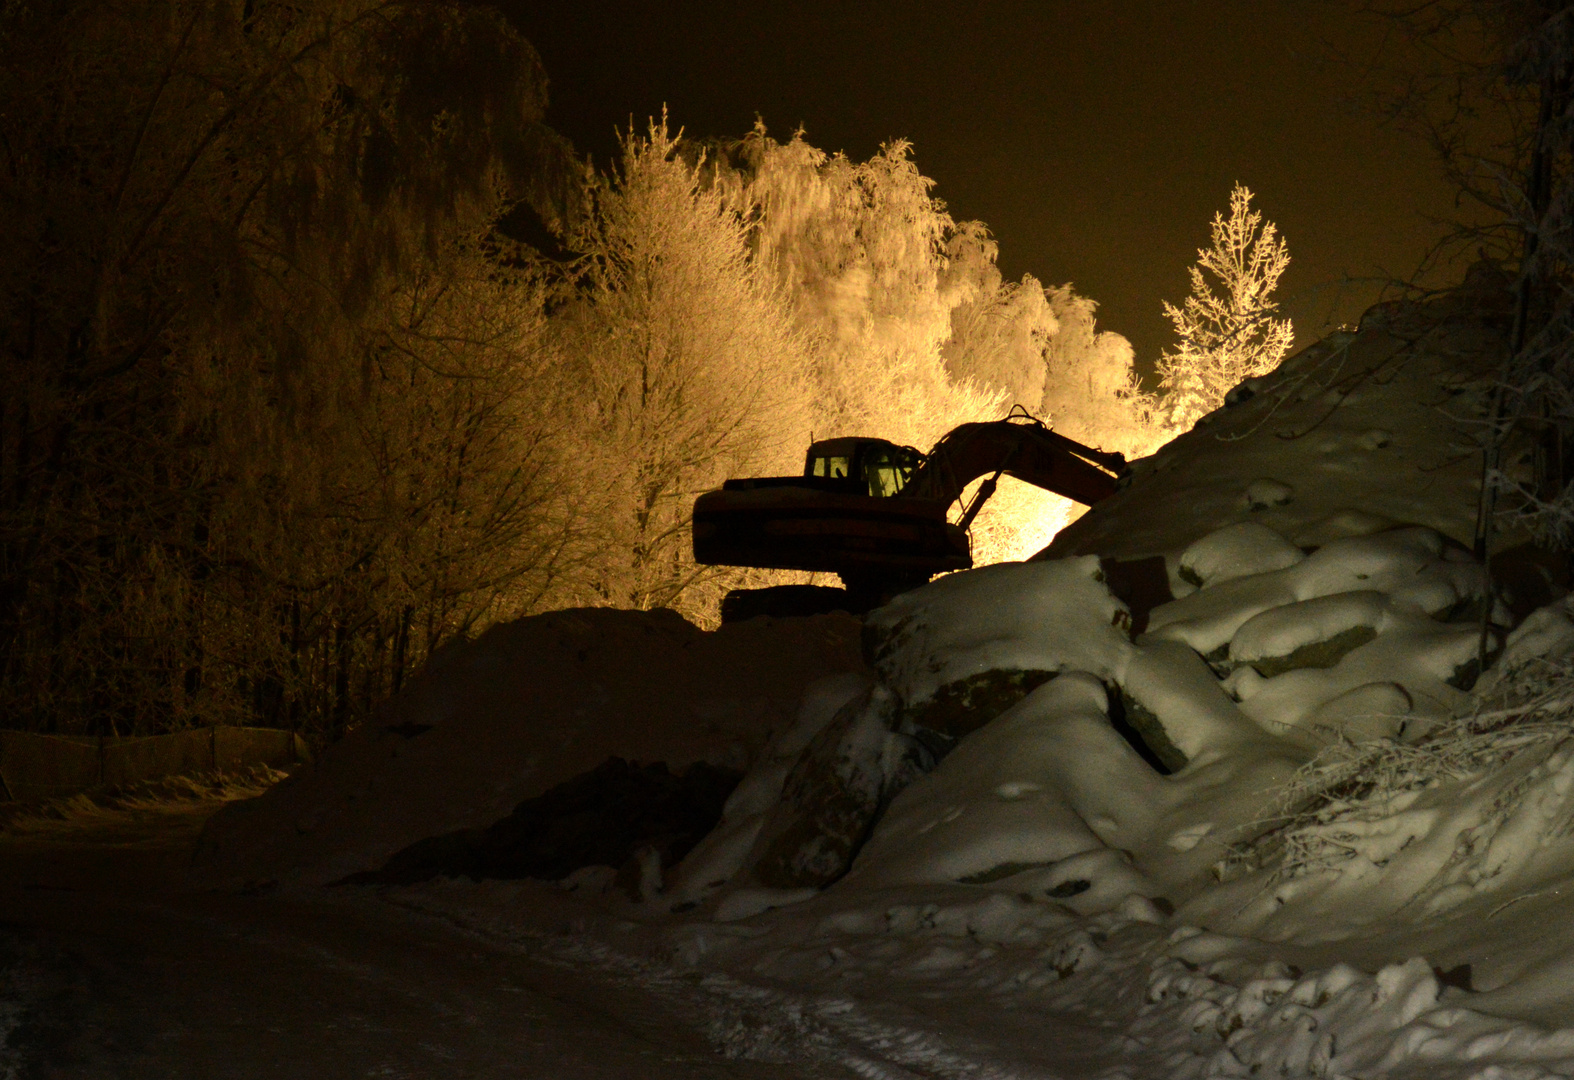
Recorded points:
(1030,452)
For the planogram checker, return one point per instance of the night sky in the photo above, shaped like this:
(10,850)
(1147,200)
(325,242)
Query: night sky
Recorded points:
(1096,138)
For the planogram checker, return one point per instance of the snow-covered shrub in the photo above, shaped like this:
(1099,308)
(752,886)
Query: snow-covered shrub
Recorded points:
(1472,806)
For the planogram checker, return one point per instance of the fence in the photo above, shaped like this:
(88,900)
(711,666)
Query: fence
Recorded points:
(50,766)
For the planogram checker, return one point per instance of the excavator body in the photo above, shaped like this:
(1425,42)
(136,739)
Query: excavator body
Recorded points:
(844,515)
(876,513)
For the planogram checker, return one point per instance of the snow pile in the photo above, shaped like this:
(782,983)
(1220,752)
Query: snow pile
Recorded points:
(1048,780)
(1239,550)
(1034,841)
(1347,642)
(1050,800)
(1413,567)
(1480,812)
(946,981)
(1047,819)
(525,707)
(1011,735)
(1352,435)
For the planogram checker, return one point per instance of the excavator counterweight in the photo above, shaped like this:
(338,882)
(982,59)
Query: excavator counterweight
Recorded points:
(875,513)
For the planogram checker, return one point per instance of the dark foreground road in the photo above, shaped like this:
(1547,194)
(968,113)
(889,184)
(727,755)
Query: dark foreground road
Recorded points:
(109,969)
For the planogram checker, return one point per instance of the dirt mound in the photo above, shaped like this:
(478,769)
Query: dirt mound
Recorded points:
(522,709)
(607,817)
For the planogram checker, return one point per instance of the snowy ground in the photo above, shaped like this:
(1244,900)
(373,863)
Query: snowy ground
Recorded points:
(111,968)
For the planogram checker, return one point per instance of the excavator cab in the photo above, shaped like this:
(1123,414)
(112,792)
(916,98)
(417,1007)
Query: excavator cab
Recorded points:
(863,466)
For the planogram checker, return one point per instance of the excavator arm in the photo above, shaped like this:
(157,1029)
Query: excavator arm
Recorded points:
(1028,451)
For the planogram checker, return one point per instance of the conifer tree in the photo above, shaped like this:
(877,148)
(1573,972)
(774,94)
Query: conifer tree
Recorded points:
(1229,335)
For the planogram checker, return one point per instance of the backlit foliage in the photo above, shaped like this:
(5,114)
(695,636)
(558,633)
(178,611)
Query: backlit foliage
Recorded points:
(285,411)
(686,368)
(915,329)
(859,252)
(1228,335)
(263,379)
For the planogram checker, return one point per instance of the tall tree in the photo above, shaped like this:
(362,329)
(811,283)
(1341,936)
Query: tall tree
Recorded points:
(860,250)
(1091,391)
(687,369)
(1226,326)
(999,328)
(235,231)
(1490,85)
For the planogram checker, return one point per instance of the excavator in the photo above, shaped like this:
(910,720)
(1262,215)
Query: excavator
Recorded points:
(875,513)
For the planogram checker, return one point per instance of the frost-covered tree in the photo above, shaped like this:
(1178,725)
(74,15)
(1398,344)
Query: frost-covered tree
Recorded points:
(860,251)
(912,326)
(1226,327)
(261,438)
(684,366)
(999,329)
(1091,390)
(1086,389)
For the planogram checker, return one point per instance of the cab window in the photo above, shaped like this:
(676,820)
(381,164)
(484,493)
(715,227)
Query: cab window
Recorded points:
(888,469)
(832,467)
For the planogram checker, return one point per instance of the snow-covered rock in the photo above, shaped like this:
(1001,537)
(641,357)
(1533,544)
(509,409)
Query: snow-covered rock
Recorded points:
(718,858)
(1048,780)
(1239,550)
(1546,635)
(939,646)
(1414,568)
(833,794)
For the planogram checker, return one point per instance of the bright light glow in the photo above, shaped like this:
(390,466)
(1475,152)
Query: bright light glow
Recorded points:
(1018,522)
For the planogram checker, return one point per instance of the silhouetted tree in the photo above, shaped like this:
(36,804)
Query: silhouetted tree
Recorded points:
(239,235)
(1488,84)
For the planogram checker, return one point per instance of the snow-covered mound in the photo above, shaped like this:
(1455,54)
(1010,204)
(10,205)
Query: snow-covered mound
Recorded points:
(527,706)
(938,641)
(1359,432)
(1371,862)
(990,750)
